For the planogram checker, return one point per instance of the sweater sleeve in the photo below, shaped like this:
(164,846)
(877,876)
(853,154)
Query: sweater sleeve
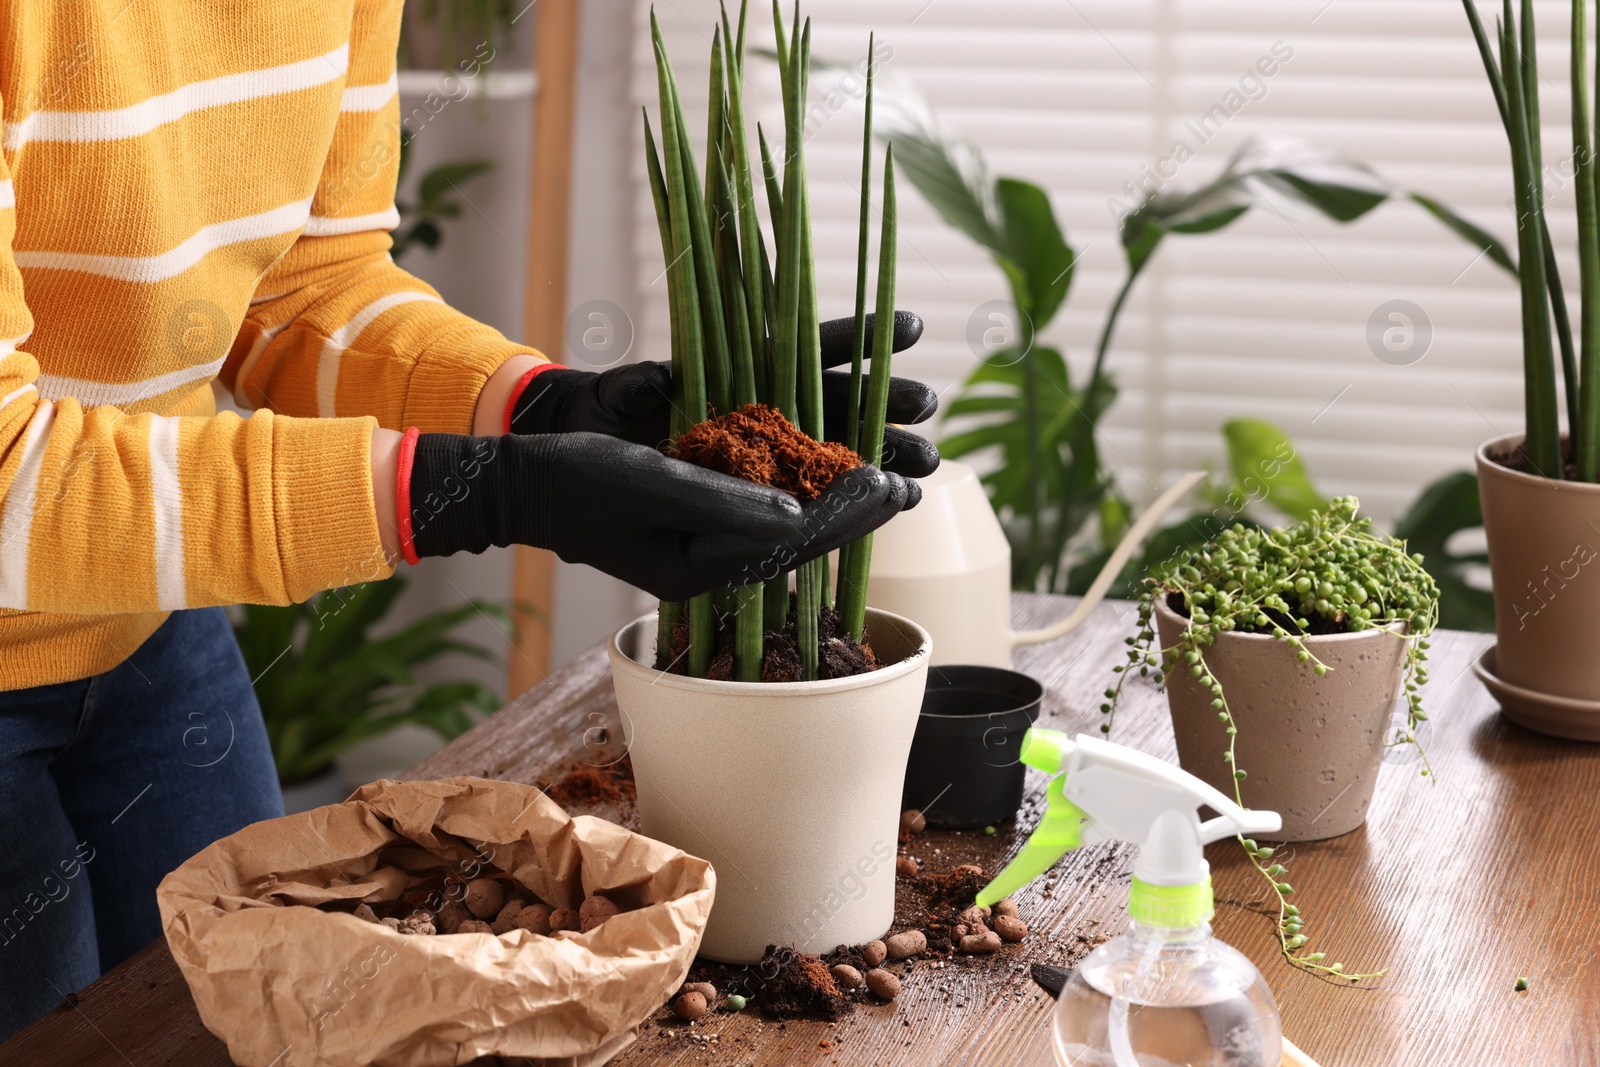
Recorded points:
(337,329)
(103,512)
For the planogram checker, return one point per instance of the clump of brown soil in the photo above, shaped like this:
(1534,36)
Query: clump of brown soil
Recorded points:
(838,654)
(758,444)
(801,987)
(586,787)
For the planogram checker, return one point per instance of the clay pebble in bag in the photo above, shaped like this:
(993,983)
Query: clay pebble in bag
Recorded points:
(298,986)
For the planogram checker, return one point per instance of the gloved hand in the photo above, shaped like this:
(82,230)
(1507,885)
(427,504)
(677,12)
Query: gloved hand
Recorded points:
(632,401)
(668,527)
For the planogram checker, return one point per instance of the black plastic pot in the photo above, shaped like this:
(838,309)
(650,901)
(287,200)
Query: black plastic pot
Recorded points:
(964,770)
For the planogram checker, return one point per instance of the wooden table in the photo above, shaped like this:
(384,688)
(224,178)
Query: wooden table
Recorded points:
(1458,887)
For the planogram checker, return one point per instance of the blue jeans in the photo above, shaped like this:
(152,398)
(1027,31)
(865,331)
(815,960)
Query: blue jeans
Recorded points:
(106,785)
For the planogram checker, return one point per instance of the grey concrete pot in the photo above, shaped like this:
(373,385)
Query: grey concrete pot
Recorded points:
(1311,746)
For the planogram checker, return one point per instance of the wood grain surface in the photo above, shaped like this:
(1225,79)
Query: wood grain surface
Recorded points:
(1458,887)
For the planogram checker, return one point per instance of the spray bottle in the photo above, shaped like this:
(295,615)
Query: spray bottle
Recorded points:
(1166,992)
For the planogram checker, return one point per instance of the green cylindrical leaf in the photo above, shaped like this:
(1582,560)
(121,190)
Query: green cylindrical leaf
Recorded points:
(1542,446)
(747,634)
(1585,427)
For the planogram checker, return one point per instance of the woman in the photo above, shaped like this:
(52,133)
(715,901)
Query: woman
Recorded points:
(194,191)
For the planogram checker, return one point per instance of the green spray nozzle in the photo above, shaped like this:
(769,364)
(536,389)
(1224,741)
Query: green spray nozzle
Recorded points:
(1059,832)
(1102,791)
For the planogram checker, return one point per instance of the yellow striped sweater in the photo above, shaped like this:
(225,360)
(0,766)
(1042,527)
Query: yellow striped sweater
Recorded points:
(194,190)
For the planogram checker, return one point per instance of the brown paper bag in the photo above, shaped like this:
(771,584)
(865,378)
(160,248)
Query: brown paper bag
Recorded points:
(298,987)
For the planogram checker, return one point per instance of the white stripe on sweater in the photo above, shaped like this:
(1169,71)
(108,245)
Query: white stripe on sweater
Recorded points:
(15,393)
(330,226)
(170,264)
(166,495)
(8,194)
(333,348)
(370,97)
(16,517)
(93,394)
(147,115)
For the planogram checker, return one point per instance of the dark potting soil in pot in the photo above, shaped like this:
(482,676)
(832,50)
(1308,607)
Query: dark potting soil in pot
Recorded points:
(838,655)
(1516,459)
(758,444)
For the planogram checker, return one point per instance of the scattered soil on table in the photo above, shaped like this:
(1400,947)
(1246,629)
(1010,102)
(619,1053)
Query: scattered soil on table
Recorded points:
(586,785)
(838,654)
(758,444)
(801,987)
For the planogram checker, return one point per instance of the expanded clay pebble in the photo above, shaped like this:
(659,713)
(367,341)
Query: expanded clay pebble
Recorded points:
(912,821)
(563,919)
(874,953)
(967,868)
(365,913)
(418,922)
(1006,907)
(506,921)
(910,943)
(474,926)
(705,989)
(972,918)
(883,983)
(452,915)
(689,1006)
(535,918)
(393,924)
(1010,928)
(484,897)
(905,865)
(594,911)
(981,944)
(847,976)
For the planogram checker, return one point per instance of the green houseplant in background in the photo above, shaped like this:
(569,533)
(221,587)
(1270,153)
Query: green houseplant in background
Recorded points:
(325,682)
(422,221)
(1541,503)
(1022,403)
(465,31)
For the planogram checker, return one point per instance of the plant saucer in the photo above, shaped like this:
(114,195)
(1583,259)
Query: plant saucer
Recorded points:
(1569,717)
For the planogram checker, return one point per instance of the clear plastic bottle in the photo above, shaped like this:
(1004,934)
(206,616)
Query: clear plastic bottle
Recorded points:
(1160,996)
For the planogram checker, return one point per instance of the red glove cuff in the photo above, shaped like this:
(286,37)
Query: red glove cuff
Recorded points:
(402,494)
(522,384)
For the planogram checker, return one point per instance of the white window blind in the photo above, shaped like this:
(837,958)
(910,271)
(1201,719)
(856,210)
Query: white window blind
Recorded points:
(1268,318)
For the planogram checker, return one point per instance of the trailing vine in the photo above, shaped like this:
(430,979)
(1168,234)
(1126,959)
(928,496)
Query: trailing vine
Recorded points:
(1333,568)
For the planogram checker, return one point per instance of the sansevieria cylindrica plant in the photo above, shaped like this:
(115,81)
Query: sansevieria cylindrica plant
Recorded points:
(744,322)
(1511,61)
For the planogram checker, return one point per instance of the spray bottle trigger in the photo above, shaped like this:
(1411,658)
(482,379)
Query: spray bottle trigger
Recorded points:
(1059,832)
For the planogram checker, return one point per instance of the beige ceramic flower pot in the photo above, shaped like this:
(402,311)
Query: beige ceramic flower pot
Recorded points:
(791,790)
(1311,746)
(1544,554)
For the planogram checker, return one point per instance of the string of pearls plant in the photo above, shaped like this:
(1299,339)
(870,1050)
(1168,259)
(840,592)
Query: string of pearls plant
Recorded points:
(1331,573)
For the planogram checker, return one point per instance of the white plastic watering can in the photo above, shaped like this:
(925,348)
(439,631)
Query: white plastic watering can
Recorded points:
(947,565)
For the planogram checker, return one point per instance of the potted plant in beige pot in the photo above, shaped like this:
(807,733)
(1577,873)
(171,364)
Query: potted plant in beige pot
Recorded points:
(1284,651)
(769,730)
(1285,655)
(1539,491)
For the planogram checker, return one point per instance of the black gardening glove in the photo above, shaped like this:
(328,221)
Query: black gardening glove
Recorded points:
(632,401)
(668,527)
